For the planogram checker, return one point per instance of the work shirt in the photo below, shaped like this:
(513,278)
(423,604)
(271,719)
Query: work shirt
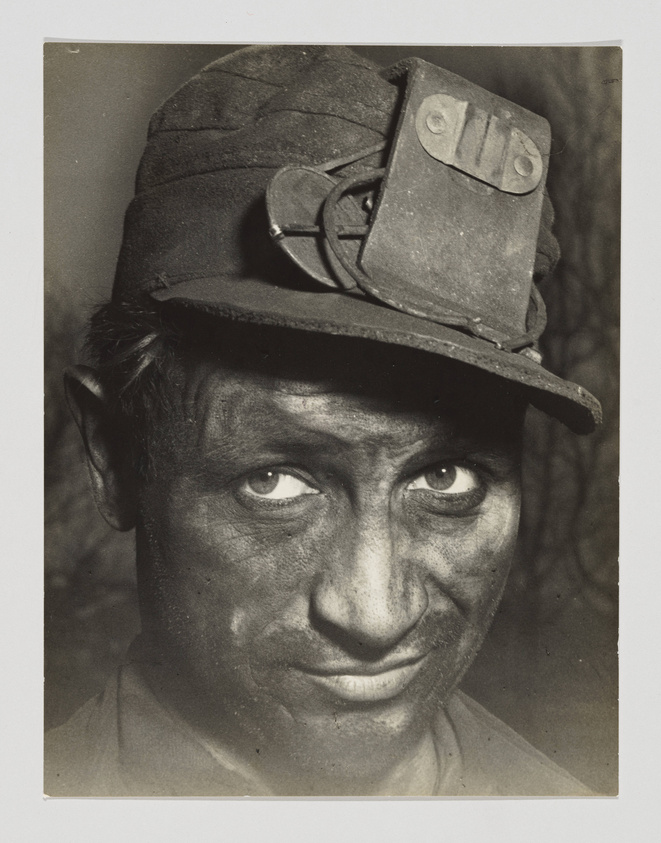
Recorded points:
(125,743)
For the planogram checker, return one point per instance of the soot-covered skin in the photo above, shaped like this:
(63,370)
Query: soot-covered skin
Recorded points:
(318,565)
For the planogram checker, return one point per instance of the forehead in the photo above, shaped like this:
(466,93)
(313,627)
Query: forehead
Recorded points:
(335,388)
(253,406)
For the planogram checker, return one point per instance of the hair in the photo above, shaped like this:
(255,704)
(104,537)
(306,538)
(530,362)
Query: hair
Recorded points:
(134,347)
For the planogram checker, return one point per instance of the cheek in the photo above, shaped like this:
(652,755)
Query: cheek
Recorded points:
(470,558)
(220,579)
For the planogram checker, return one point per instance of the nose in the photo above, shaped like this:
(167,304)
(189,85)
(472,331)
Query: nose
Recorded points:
(369,595)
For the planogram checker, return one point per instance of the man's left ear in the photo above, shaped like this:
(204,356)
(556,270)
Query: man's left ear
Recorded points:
(107,445)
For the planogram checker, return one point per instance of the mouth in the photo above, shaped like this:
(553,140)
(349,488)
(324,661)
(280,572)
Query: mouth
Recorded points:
(354,686)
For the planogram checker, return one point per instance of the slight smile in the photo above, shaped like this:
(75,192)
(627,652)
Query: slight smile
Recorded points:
(368,687)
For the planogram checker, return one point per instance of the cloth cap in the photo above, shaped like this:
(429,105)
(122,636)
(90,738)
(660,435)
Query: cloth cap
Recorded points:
(197,231)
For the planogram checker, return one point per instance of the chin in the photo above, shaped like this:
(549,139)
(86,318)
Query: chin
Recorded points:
(347,749)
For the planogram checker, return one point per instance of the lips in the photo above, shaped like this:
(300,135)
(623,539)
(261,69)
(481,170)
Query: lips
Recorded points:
(354,686)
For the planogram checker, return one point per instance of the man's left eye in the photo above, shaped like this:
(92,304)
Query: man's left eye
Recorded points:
(447,479)
(270,484)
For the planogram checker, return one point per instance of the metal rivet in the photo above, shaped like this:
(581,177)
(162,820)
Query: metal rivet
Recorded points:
(436,122)
(523,165)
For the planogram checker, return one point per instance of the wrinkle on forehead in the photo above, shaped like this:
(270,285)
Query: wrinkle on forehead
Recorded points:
(309,414)
(291,386)
(217,401)
(230,408)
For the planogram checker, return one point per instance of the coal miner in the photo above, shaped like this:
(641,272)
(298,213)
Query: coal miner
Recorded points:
(307,396)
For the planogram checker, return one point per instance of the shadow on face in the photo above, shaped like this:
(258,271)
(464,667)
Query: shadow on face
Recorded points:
(399,377)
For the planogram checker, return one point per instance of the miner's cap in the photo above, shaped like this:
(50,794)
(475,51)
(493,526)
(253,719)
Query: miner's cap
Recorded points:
(308,188)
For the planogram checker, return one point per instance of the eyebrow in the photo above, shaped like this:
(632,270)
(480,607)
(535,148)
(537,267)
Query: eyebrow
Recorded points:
(290,439)
(285,438)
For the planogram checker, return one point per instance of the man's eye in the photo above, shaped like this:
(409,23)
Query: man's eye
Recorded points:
(276,485)
(447,479)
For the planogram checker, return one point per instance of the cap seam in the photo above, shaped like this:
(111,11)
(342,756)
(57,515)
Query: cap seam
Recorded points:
(162,131)
(242,76)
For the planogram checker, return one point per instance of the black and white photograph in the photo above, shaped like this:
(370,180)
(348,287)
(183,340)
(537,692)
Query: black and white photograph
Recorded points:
(331,420)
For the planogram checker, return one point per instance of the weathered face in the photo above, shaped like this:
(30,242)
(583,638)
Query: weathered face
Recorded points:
(320,566)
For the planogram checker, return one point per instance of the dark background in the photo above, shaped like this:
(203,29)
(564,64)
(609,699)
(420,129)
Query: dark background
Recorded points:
(549,666)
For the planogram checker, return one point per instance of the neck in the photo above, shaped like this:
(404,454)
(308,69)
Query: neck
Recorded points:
(415,773)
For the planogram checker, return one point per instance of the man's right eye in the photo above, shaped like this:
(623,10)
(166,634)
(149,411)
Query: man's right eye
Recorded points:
(276,485)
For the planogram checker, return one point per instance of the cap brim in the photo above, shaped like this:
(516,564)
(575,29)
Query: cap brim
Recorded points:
(263,303)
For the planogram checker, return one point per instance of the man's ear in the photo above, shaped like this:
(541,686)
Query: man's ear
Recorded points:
(108,447)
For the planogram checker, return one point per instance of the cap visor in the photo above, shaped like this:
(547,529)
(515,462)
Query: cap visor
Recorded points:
(263,303)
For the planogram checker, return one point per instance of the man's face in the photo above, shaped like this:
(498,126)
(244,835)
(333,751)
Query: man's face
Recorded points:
(320,563)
